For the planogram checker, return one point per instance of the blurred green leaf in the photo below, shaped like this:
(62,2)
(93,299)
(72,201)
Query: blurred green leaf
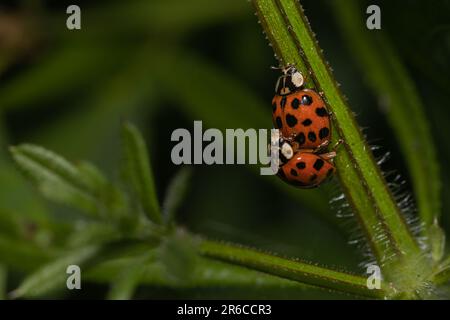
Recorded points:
(3,281)
(21,255)
(168,17)
(178,254)
(53,275)
(128,279)
(60,181)
(102,189)
(16,197)
(62,71)
(137,170)
(86,233)
(436,237)
(127,92)
(55,177)
(175,194)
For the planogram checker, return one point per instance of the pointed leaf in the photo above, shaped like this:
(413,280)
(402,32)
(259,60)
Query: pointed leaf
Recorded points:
(175,193)
(60,181)
(138,172)
(129,278)
(53,275)
(178,254)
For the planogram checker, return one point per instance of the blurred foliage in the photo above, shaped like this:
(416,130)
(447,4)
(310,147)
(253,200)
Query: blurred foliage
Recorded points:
(164,64)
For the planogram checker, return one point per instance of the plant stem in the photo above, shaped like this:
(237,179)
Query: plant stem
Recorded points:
(294,270)
(293,41)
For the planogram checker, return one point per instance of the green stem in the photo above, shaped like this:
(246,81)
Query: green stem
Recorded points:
(366,190)
(289,269)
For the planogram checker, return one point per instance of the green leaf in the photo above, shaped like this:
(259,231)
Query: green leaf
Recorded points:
(3,281)
(122,95)
(124,286)
(54,176)
(165,18)
(60,181)
(53,276)
(103,190)
(22,255)
(137,171)
(436,238)
(176,193)
(50,75)
(178,255)
(86,233)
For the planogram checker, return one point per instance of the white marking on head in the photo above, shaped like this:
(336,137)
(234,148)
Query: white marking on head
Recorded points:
(297,79)
(286,150)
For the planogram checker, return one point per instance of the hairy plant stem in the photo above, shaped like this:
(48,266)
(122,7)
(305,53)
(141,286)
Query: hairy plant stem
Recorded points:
(390,238)
(294,270)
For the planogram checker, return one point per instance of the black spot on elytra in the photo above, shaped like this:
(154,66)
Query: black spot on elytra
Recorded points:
(330,172)
(312,136)
(279,123)
(295,103)
(294,173)
(300,138)
(321,112)
(274,106)
(306,100)
(301,165)
(324,132)
(283,102)
(318,164)
(291,120)
(313,177)
(307,122)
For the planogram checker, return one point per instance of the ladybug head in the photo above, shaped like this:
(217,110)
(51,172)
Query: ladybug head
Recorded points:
(291,80)
(281,149)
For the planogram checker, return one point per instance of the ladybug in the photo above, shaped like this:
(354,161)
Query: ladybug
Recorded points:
(300,114)
(303,168)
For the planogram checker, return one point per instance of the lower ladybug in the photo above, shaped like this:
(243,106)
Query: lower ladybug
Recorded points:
(301,167)
(306,169)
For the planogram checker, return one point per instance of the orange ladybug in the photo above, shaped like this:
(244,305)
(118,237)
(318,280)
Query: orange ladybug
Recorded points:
(307,170)
(300,114)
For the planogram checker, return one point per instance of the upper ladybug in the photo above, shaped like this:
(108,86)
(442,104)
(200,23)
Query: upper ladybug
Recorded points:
(300,114)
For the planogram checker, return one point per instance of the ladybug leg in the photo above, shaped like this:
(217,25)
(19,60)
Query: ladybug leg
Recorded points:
(321,146)
(337,144)
(328,155)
